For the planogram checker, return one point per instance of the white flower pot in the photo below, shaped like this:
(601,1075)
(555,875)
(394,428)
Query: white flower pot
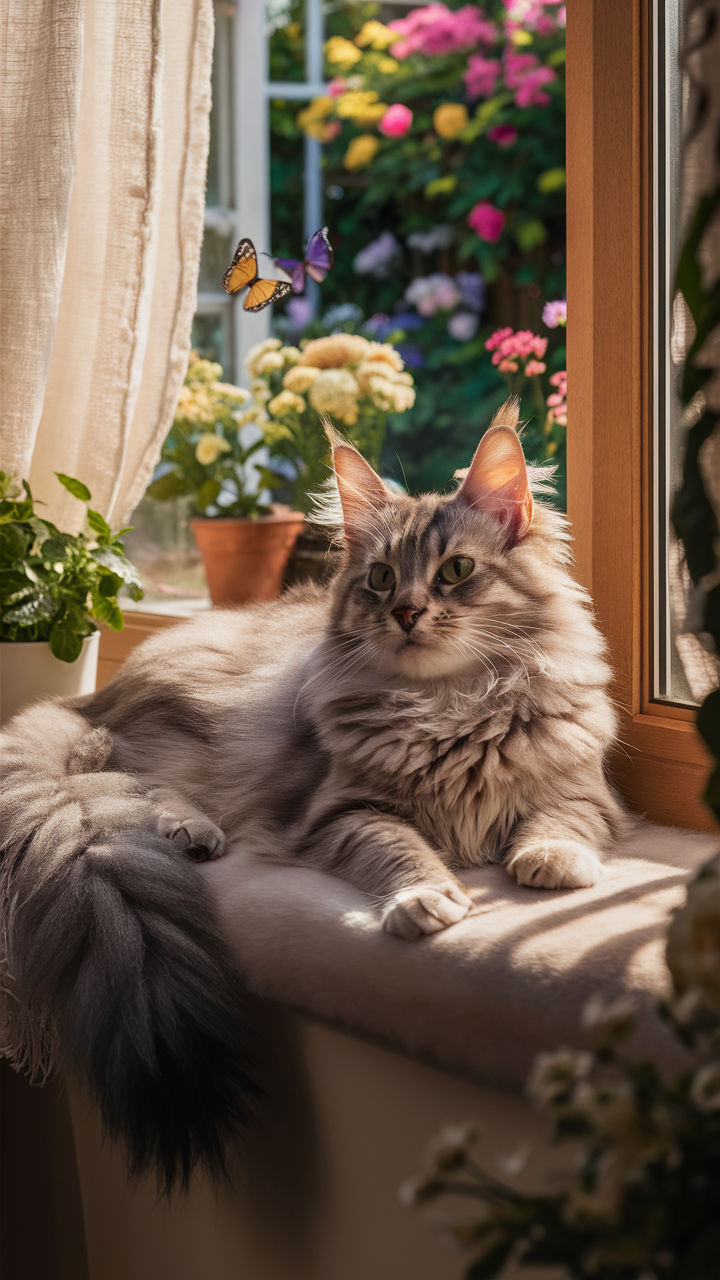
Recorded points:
(30,671)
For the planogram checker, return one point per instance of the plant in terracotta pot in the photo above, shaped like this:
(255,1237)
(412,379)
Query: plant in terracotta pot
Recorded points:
(343,376)
(55,587)
(244,542)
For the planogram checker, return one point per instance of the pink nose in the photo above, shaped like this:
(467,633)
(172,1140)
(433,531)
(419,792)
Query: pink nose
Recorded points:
(406,618)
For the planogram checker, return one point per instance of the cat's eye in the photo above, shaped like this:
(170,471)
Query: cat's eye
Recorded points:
(456,570)
(382,577)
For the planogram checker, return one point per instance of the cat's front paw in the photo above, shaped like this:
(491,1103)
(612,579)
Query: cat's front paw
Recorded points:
(555,864)
(426,908)
(199,838)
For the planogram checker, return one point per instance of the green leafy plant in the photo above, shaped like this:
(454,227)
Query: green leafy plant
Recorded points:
(58,586)
(204,457)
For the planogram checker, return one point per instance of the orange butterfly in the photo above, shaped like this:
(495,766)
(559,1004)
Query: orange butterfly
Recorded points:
(243,271)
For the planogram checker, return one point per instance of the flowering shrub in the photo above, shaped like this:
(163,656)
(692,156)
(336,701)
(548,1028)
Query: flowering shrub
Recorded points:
(204,457)
(443,145)
(354,381)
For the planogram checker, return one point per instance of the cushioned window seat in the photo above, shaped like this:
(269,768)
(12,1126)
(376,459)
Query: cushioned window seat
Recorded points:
(489,993)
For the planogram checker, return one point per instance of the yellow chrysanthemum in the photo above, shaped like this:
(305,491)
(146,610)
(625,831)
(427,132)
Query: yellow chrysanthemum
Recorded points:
(362,106)
(285,402)
(393,396)
(300,378)
(290,355)
(255,353)
(341,53)
(260,390)
(335,392)
(238,394)
(269,362)
(209,447)
(315,112)
(385,352)
(334,351)
(376,35)
(361,151)
(450,119)
(388,66)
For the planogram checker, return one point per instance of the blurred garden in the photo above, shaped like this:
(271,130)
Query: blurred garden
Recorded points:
(443,151)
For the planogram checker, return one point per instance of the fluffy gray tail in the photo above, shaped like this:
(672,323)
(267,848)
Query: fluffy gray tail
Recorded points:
(114,970)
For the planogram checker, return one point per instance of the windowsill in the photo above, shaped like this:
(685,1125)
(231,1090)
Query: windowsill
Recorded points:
(168,606)
(484,997)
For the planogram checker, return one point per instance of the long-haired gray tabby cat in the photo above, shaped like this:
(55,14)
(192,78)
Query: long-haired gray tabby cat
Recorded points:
(443,704)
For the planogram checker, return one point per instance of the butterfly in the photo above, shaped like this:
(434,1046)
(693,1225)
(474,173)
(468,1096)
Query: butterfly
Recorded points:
(243,271)
(318,260)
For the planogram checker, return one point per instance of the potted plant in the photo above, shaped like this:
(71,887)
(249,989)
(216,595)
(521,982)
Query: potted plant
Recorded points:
(343,376)
(55,588)
(244,542)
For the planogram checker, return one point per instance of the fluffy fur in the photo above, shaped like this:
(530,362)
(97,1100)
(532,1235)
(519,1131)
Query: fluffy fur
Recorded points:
(389,730)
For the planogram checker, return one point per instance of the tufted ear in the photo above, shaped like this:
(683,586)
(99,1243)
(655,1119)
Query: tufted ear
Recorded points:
(497,482)
(361,490)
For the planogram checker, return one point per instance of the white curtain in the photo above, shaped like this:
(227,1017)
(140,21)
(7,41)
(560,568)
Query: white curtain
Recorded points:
(104,128)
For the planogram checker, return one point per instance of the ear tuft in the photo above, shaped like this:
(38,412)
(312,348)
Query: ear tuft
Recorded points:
(362,492)
(497,481)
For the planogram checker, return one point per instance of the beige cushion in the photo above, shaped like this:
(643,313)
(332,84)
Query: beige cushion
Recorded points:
(487,994)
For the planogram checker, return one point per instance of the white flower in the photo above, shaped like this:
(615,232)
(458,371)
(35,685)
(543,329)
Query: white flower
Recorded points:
(610,1020)
(553,1076)
(604,1198)
(449,1149)
(418,1190)
(290,355)
(256,352)
(705,1087)
(269,362)
(608,1105)
(209,447)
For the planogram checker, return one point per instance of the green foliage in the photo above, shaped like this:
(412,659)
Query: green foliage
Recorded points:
(204,457)
(57,586)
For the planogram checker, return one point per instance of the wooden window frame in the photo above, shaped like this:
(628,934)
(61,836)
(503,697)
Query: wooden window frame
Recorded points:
(663,764)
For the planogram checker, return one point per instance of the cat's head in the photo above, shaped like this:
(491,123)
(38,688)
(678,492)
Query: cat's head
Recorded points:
(438,585)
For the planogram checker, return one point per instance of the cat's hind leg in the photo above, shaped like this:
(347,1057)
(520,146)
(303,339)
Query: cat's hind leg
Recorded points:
(189,829)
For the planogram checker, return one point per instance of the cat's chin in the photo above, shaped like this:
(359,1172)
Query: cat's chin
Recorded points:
(423,661)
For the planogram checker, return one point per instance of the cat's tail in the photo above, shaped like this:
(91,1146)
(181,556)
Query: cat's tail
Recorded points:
(114,968)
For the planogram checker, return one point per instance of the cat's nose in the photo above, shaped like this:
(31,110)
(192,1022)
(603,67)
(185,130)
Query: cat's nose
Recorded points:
(407,617)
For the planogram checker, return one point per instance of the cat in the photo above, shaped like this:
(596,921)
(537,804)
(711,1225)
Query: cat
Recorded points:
(443,703)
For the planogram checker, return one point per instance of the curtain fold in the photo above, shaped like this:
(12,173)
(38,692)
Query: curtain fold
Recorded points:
(94,371)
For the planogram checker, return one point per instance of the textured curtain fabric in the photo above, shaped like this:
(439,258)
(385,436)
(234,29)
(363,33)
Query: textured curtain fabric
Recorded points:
(104,120)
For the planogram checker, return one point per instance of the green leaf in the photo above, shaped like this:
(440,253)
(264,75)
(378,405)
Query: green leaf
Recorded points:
(13,543)
(171,485)
(53,549)
(206,494)
(551,180)
(109,584)
(98,524)
(530,234)
(117,564)
(40,607)
(77,489)
(66,638)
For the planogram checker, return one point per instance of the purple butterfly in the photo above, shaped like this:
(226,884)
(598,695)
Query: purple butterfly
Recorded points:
(317,262)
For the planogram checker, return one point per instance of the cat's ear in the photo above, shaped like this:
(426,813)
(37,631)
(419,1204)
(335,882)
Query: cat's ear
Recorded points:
(497,482)
(361,490)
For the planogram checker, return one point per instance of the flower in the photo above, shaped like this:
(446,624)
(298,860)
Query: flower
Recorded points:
(362,106)
(486,220)
(439,237)
(555,314)
(503,134)
(534,367)
(522,345)
(299,312)
(337,86)
(255,354)
(335,351)
(608,1020)
(554,1075)
(341,52)
(285,402)
(375,258)
(384,353)
(480,76)
(448,1151)
(361,151)
(209,447)
(434,30)
(463,326)
(375,34)
(300,378)
(557,401)
(388,66)
(269,361)
(396,121)
(525,75)
(472,288)
(693,949)
(437,292)
(449,119)
(335,391)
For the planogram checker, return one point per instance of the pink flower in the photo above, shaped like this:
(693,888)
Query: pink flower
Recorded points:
(503,134)
(534,367)
(557,401)
(433,29)
(337,86)
(525,76)
(555,314)
(486,220)
(396,121)
(481,76)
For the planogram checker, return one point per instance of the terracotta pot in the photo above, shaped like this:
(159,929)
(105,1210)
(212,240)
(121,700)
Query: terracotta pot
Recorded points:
(245,559)
(29,670)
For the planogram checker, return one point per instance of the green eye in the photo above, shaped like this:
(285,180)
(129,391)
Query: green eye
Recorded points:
(382,577)
(456,570)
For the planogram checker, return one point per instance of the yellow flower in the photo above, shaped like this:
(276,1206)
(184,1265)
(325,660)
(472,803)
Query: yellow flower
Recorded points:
(361,106)
(335,351)
(209,447)
(290,355)
(284,402)
(311,118)
(238,394)
(341,52)
(300,378)
(361,151)
(375,34)
(450,119)
(268,362)
(254,354)
(389,394)
(386,352)
(388,66)
(335,391)
(260,390)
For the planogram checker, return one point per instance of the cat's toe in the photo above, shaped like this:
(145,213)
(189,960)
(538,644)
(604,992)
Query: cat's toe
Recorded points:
(413,913)
(555,864)
(197,837)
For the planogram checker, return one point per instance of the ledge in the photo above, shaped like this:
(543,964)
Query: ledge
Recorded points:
(485,996)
